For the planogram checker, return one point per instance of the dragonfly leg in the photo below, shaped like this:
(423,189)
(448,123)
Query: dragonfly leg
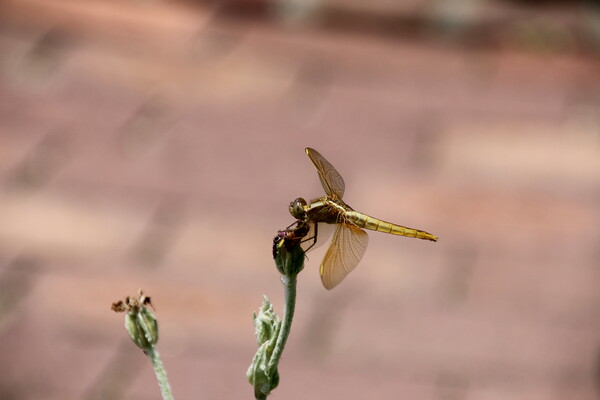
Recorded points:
(287,229)
(313,238)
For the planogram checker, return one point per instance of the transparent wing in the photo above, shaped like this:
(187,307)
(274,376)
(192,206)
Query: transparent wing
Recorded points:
(347,248)
(330,179)
(322,233)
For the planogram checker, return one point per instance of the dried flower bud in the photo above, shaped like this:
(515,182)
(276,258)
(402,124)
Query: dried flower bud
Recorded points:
(140,322)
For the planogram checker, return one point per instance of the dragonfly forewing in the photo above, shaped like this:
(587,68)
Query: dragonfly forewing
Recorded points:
(331,180)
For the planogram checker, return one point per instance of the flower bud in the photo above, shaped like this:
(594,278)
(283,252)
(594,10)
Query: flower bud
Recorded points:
(140,323)
(266,327)
(266,323)
(288,255)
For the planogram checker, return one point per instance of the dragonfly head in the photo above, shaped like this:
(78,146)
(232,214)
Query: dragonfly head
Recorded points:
(297,208)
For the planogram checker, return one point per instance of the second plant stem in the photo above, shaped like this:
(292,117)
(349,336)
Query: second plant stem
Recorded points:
(289,284)
(161,375)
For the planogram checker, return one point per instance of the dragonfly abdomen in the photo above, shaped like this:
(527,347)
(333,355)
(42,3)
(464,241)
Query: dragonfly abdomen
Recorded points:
(374,224)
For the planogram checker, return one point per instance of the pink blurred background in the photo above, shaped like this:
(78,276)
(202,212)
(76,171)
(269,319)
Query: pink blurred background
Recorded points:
(157,145)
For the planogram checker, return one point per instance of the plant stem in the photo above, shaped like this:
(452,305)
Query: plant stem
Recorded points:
(289,287)
(161,374)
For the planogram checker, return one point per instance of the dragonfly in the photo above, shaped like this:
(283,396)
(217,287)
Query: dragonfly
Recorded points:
(349,241)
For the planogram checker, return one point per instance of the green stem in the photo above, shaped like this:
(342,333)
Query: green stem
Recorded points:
(289,285)
(161,374)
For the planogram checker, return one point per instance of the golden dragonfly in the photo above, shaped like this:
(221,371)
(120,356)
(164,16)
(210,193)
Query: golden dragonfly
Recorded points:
(349,241)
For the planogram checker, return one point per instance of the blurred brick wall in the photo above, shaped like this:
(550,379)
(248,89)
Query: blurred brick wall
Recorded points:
(157,145)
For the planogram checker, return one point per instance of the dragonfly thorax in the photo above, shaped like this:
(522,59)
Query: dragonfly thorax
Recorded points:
(298,208)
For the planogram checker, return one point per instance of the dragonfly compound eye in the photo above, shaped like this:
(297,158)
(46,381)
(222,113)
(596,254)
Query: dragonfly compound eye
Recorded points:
(297,208)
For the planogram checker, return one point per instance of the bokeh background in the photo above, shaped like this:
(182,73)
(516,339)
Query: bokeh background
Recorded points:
(157,144)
